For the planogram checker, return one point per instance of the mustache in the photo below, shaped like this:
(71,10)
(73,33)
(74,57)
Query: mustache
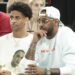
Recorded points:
(42,28)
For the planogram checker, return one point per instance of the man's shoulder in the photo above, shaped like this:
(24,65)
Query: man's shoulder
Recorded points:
(66,32)
(65,29)
(4,37)
(30,34)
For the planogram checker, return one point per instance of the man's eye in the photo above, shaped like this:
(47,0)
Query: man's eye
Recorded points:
(18,18)
(17,56)
(36,5)
(11,17)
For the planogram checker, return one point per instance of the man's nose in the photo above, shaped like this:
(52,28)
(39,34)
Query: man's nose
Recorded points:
(13,20)
(18,60)
(41,26)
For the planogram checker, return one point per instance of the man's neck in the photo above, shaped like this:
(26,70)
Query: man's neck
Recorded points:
(20,34)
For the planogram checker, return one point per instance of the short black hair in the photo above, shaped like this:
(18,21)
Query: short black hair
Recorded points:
(21,7)
(19,51)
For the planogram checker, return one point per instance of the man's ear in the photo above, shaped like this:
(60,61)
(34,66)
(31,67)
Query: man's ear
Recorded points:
(56,20)
(27,19)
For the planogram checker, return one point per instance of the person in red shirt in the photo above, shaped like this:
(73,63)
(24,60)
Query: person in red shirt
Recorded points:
(4,24)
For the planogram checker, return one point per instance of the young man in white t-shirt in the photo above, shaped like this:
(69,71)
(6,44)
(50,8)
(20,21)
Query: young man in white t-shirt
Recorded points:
(55,50)
(20,14)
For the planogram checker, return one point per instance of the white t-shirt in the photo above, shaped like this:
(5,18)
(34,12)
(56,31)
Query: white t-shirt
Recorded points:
(58,52)
(9,44)
(14,70)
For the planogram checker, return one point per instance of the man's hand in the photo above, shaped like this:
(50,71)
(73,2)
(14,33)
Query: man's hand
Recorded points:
(34,70)
(39,34)
(4,72)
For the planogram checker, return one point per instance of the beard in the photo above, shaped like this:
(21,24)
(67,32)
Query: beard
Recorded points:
(49,29)
(50,32)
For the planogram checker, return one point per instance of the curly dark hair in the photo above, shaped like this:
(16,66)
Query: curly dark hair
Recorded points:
(21,7)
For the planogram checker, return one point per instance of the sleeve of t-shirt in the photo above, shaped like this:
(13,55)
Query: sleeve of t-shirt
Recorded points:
(68,53)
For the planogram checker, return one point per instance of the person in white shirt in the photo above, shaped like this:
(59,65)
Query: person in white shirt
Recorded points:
(20,13)
(53,45)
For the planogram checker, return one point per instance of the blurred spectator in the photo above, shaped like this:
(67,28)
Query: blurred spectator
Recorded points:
(12,1)
(4,24)
(35,5)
